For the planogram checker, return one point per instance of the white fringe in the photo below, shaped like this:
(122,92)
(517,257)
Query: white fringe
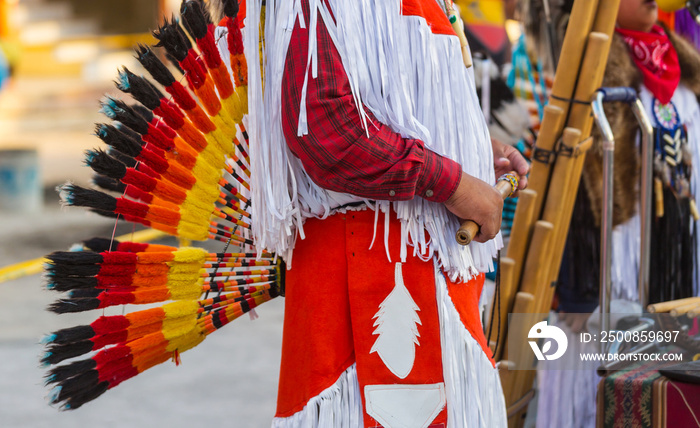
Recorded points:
(339,406)
(474,394)
(405,82)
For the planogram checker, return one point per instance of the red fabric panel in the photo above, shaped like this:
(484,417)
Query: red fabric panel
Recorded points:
(465,296)
(317,343)
(433,14)
(334,290)
(371,278)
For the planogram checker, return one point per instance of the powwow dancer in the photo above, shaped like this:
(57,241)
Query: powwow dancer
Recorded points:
(356,109)
(368,112)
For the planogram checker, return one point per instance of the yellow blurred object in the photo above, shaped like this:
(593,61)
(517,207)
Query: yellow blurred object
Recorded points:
(670,5)
(481,11)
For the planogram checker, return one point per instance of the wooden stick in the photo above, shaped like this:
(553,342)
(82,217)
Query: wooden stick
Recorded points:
(568,208)
(506,371)
(672,304)
(508,289)
(458,27)
(560,187)
(537,258)
(583,14)
(590,79)
(522,355)
(682,310)
(469,229)
(521,232)
(524,303)
(694,313)
(606,16)
(552,123)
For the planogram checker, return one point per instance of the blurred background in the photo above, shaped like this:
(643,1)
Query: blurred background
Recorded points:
(57,59)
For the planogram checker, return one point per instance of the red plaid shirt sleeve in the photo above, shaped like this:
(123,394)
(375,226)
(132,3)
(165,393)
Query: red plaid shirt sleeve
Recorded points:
(337,153)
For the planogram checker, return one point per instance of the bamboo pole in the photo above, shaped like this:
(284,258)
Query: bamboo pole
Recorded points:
(606,16)
(694,313)
(672,304)
(562,181)
(579,157)
(582,14)
(521,231)
(537,256)
(682,310)
(524,303)
(590,80)
(508,290)
(562,193)
(545,293)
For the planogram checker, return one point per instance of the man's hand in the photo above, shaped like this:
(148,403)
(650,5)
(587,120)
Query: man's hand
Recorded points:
(478,201)
(507,158)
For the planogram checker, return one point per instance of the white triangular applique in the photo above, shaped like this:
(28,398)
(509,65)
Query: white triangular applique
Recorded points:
(405,406)
(396,323)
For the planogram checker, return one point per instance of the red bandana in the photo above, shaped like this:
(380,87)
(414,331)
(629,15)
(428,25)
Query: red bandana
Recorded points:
(656,57)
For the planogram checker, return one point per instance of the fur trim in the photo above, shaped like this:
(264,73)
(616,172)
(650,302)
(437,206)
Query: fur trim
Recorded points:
(620,71)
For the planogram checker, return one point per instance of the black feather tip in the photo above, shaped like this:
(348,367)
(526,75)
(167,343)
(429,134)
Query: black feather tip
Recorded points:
(100,245)
(67,371)
(230,8)
(56,353)
(194,18)
(172,38)
(69,335)
(65,306)
(63,283)
(155,67)
(73,195)
(75,257)
(115,137)
(104,164)
(120,111)
(109,184)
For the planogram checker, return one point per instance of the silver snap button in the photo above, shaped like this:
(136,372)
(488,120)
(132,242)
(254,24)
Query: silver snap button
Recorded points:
(392,193)
(429,193)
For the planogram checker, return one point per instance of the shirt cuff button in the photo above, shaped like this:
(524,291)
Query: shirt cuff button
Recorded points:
(392,193)
(429,194)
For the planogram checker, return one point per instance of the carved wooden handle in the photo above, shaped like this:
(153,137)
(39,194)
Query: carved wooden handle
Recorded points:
(507,184)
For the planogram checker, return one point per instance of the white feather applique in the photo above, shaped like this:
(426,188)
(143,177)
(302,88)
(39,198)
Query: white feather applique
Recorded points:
(397,326)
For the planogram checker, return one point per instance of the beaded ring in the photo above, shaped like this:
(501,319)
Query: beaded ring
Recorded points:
(512,179)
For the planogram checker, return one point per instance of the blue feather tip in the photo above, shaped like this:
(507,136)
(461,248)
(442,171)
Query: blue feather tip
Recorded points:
(90,156)
(49,338)
(54,393)
(110,108)
(101,131)
(45,361)
(123,84)
(66,193)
